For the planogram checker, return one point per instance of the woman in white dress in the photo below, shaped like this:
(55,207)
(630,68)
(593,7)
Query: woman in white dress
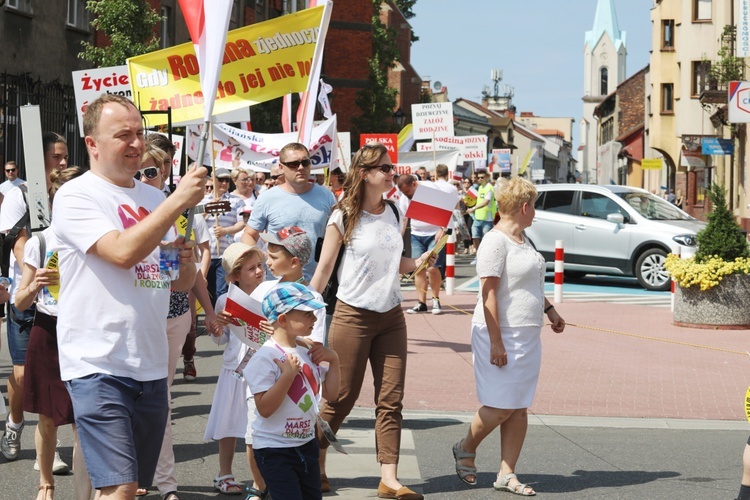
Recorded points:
(506,336)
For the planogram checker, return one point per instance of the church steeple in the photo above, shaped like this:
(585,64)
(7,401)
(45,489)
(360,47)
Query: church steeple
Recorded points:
(605,21)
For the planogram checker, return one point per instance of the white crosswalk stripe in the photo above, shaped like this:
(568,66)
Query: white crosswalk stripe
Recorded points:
(661,300)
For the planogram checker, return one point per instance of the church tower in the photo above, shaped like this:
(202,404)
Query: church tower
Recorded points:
(604,55)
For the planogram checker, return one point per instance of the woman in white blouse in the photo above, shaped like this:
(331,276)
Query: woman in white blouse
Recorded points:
(368,321)
(506,335)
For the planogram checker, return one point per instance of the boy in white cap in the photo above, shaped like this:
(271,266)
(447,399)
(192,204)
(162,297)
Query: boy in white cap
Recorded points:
(286,378)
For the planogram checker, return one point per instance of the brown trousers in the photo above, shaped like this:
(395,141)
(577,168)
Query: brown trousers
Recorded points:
(358,335)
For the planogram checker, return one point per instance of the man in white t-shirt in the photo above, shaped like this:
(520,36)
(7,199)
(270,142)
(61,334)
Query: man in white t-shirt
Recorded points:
(424,237)
(114,298)
(11,179)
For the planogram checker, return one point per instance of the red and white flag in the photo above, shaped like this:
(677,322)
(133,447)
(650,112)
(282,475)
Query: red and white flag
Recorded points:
(247,313)
(286,113)
(208,25)
(306,110)
(472,193)
(394,194)
(431,205)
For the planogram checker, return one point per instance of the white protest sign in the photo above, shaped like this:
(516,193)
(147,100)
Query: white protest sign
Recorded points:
(408,163)
(433,119)
(235,147)
(424,147)
(475,147)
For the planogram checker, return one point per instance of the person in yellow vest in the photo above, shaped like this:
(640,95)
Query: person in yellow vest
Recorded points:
(484,211)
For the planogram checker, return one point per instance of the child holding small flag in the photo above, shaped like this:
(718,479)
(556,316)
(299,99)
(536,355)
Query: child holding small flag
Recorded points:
(287,382)
(227,420)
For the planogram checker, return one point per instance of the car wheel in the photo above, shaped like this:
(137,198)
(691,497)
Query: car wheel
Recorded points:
(649,269)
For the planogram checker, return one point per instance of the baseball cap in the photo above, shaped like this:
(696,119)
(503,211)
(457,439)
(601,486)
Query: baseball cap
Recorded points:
(223,172)
(232,253)
(288,296)
(294,239)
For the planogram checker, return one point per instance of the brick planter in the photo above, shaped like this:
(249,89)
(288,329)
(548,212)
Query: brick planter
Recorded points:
(725,306)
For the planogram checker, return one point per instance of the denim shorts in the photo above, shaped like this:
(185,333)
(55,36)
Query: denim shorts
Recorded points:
(120,424)
(480,228)
(420,244)
(19,327)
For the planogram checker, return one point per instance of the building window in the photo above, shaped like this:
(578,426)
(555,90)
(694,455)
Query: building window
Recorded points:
(667,34)
(20,5)
(699,77)
(604,78)
(234,19)
(297,5)
(608,129)
(702,10)
(78,16)
(667,98)
(166,33)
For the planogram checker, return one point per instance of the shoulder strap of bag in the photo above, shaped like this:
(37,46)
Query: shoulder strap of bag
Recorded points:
(10,238)
(42,249)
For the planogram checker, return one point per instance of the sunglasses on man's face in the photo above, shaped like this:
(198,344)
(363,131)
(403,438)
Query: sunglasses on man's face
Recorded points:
(222,179)
(149,172)
(275,177)
(296,163)
(10,170)
(386,169)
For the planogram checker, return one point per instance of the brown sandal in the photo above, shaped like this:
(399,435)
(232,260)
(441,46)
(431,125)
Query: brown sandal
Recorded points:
(46,488)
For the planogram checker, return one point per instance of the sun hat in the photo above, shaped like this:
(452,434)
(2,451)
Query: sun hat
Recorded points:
(232,253)
(288,296)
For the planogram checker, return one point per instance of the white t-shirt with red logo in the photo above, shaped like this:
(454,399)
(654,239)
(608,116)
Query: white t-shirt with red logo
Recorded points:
(110,320)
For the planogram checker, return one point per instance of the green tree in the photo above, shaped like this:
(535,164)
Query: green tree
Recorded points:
(377,101)
(129,25)
(405,6)
(721,237)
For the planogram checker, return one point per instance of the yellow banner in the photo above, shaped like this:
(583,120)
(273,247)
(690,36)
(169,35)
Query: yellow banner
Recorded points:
(261,62)
(651,163)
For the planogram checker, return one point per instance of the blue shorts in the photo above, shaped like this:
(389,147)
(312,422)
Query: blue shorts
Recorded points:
(479,228)
(19,328)
(291,473)
(120,424)
(420,244)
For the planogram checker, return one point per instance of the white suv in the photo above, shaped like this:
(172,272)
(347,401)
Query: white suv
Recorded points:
(616,230)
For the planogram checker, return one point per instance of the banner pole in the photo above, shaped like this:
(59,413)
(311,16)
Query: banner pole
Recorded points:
(199,160)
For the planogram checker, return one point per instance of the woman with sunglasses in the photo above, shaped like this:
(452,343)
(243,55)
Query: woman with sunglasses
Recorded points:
(154,171)
(244,182)
(368,321)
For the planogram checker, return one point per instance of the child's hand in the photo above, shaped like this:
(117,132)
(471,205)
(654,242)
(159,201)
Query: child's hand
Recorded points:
(320,353)
(266,327)
(289,366)
(217,326)
(223,318)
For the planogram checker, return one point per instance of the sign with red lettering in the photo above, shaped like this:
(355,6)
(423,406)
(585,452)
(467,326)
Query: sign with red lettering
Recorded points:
(91,83)
(390,141)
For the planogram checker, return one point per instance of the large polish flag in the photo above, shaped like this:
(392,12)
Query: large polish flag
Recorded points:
(247,313)
(432,205)
(208,23)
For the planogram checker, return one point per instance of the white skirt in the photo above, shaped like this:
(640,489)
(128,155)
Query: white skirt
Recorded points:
(511,386)
(228,416)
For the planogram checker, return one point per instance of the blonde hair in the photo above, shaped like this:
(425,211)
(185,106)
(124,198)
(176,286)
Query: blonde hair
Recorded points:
(240,261)
(156,154)
(512,194)
(240,170)
(59,177)
(354,185)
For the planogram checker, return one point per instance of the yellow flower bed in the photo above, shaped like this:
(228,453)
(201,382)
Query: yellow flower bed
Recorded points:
(687,272)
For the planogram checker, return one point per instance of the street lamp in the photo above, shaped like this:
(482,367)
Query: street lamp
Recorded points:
(399,117)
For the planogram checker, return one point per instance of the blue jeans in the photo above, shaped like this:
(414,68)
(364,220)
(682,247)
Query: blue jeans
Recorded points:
(120,424)
(217,282)
(291,473)
(420,244)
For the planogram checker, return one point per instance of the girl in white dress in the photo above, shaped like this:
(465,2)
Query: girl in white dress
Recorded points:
(227,420)
(505,335)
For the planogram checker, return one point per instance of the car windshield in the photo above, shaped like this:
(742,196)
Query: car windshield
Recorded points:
(652,207)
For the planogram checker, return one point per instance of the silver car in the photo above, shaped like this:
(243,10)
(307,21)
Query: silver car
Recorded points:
(615,230)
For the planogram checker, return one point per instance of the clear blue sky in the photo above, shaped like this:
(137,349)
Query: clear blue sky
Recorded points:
(537,43)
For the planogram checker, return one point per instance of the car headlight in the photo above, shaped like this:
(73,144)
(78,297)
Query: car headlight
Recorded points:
(687,240)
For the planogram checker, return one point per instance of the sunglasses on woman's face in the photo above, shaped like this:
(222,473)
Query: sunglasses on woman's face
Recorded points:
(386,169)
(149,172)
